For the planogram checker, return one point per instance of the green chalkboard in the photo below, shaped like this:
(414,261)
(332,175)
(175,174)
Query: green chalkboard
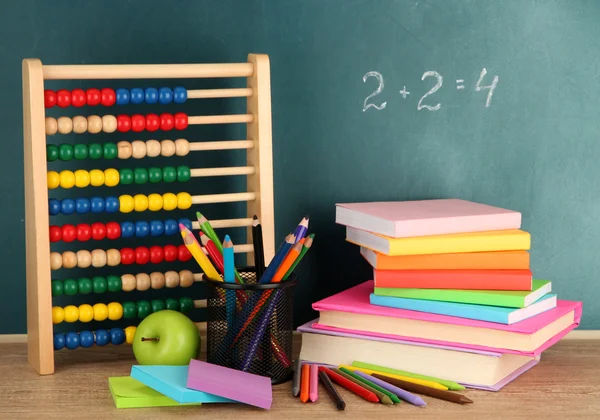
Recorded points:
(490,101)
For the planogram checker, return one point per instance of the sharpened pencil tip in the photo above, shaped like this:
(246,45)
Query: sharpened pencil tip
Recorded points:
(182,227)
(227,238)
(255,217)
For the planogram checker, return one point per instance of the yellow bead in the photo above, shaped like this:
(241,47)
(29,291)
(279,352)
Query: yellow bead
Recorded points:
(100,312)
(96,178)
(169,201)
(155,202)
(53,180)
(86,313)
(115,311)
(71,313)
(58,315)
(111,177)
(129,334)
(126,203)
(82,178)
(67,179)
(140,202)
(184,201)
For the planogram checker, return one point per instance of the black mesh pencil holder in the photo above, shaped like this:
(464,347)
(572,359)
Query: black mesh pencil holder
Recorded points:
(250,325)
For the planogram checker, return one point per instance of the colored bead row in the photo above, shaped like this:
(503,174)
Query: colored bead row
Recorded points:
(85,285)
(123,150)
(101,337)
(111,177)
(124,204)
(66,152)
(108,97)
(112,230)
(163,95)
(95,124)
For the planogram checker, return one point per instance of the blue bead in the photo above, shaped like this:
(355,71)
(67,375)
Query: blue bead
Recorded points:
(186,222)
(156,228)
(111,204)
(97,204)
(82,205)
(86,339)
(117,336)
(127,229)
(53,207)
(137,96)
(171,227)
(151,95)
(72,340)
(102,337)
(179,95)
(67,206)
(122,96)
(142,228)
(59,341)
(165,95)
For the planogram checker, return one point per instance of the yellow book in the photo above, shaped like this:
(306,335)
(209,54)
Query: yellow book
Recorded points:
(497,240)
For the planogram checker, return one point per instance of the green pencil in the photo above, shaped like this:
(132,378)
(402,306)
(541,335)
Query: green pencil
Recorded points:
(392,396)
(307,244)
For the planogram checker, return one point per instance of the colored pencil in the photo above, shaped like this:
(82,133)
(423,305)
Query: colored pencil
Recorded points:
(296,378)
(194,247)
(333,393)
(288,261)
(301,229)
(228,261)
(259,252)
(402,378)
(308,241)
(212,251)
(208,230)
(277,259)
(384,399)
(451,385)
(304,385)
(349,385)
(314,383)
(391,395)
(400,393)
(424,390)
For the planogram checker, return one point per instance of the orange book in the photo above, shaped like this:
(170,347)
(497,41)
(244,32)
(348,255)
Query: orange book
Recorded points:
(497,260)
(454,279)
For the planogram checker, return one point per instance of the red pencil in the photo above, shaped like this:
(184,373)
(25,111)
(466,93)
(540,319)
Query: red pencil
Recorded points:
(349,385)
(213,252)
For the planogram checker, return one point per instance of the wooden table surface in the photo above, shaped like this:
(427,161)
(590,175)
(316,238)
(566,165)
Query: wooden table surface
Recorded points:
(565,385)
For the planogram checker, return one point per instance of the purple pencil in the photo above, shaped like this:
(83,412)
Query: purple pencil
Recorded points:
(314,383)
(402,394)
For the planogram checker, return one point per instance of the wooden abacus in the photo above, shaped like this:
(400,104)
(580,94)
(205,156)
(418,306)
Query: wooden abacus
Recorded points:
(38,180)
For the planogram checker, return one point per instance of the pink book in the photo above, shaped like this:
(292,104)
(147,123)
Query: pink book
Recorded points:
(350,311)
(401,219)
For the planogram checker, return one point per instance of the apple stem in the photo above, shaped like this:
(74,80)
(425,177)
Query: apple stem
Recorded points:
(150,338)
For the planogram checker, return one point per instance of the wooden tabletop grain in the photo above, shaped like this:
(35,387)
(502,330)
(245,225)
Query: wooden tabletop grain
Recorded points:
(565,385)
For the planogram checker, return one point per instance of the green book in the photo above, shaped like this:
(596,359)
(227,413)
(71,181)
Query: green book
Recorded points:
(130,393)
(505,298)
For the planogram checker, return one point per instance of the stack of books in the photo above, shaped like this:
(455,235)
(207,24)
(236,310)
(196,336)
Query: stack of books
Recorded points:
(452,295)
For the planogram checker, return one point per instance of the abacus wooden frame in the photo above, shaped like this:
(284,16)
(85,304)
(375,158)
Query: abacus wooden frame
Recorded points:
(259,155)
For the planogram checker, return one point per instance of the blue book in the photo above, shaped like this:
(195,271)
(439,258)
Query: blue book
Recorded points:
(171,381)
(498,314)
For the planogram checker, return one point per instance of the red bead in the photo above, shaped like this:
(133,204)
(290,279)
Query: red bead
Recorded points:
(84,232)
(152,122)
(113,230)
(127,256)
(167,122)
(171,253)
(55,233)
(181,121)
(49,98)
(63,98)
(98,231)
(138,123)
(93,96)
(123,123)
(184,253)
(78,97)
(108,97)
(69,233)
(157,254)
(142,255)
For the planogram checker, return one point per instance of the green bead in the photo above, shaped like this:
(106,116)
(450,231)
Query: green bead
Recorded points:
(187,304)
(80,151)
(183,173)
(143,309)
(129,310)
(51,152)
(125,176)
(158,305)
(65,152)
(154,175)
(110,151)
(99,284)
(85,285)
(57,288)
(169,174)
(70,287)
(114,283)
(140,175)
(172,304)
(95,151)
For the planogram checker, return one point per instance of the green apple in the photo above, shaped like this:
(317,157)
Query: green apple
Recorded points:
(166,338)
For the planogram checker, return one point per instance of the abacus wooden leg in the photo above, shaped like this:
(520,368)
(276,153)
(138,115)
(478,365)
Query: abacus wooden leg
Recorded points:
(39,301)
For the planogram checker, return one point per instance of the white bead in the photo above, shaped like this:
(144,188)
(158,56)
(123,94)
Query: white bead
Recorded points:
(167,148)
(51,126)
(138,149)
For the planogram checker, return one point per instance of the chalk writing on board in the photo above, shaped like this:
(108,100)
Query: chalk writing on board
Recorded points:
(426,102)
